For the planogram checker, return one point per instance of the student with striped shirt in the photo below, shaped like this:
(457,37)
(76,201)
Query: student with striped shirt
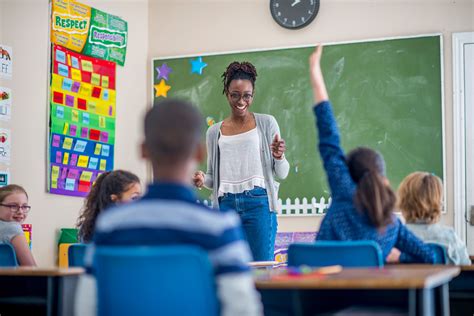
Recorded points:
(169,215)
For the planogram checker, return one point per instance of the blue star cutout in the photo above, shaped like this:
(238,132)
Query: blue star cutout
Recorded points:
(197,65)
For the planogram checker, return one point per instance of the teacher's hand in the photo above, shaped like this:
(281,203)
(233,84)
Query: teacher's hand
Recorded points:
(198,179)
(278,147)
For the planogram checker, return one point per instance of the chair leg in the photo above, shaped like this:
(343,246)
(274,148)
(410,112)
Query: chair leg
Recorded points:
(442,300)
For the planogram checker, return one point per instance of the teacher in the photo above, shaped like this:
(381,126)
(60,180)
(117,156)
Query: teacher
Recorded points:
(245,156)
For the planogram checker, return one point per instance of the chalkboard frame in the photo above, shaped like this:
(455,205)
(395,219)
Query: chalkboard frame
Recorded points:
(442,81)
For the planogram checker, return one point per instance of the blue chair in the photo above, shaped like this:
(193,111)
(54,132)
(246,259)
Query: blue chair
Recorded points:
(75,254)
(7,256)
(440,253)
(363,253)
(154,280)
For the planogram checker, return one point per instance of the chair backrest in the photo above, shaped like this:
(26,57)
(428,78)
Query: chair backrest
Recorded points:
(7,256)
(363,253)
(154,280)
(75,254)
(441,256)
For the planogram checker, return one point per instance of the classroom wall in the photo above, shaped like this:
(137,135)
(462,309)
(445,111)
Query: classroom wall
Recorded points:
(24,25)
(176,27)
(181,27)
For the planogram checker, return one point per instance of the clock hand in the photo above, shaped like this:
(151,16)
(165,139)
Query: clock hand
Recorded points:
(295,3)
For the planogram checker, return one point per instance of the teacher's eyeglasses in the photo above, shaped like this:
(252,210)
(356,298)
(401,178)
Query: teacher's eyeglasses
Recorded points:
(17,208)
(235,97)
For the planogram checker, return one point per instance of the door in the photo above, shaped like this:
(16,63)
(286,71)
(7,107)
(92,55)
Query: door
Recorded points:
(463,91)
(469,104)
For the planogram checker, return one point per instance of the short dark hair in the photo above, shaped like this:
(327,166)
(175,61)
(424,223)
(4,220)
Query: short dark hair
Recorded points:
(172,131)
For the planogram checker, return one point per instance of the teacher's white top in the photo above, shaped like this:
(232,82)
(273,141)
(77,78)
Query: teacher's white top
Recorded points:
(240,163)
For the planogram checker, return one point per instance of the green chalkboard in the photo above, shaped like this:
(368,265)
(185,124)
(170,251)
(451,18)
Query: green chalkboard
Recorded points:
(386,94)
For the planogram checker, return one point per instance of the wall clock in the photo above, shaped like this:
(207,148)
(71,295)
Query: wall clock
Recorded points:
(294,14)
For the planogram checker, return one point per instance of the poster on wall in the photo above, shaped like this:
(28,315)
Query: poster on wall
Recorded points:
(5,103)
(6,56)
(82,132)
(28,231)
(89,31)
(5,145)
(4,177)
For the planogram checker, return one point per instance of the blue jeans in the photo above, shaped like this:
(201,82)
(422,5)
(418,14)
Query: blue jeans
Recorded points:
(259,223)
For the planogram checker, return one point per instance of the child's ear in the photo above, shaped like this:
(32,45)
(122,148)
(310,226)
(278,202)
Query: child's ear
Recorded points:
(200,153)
(114,197)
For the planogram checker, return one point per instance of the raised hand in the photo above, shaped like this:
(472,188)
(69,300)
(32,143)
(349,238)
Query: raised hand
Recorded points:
(317,79)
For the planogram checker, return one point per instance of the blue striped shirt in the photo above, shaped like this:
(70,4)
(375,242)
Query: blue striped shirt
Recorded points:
(169,215)
(343,221)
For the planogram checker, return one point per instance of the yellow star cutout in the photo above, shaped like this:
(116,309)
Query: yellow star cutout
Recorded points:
(162,89)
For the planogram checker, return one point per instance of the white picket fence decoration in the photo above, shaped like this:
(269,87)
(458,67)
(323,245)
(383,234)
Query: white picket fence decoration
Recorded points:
(303,208)
(297,207)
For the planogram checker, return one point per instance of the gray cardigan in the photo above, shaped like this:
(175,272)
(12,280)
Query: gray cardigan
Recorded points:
(267,128)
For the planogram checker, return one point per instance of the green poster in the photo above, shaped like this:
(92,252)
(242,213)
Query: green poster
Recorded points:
(107,37)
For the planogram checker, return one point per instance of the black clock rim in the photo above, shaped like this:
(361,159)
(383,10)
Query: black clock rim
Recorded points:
(316,11)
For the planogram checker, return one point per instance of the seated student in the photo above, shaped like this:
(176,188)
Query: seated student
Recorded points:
(109,189)
(420,199)
(13,211)
(362,200)
(173,147)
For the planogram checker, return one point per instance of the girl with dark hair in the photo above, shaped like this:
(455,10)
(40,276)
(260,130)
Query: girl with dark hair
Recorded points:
(245,155)
(110,188)
(362,200)
(13,211)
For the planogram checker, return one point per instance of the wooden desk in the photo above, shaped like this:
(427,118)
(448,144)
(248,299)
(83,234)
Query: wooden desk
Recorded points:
(461,292)
(420,289)
(38,291)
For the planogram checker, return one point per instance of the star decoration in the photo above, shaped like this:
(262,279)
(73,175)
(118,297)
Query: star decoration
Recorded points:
(197,65)
(163,71)
(162,89)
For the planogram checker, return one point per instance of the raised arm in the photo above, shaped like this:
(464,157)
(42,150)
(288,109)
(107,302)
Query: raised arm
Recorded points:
(333,157)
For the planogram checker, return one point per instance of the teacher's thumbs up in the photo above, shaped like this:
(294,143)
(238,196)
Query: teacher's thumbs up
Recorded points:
(278,147)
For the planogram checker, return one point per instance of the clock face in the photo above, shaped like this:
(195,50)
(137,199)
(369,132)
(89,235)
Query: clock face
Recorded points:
(294,14)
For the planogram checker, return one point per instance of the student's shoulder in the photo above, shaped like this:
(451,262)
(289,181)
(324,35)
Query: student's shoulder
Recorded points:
(445,231)
(9,226)
(8,230)
(157,211)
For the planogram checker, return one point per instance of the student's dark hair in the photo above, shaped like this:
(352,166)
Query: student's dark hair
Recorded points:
(173,130)
(237,70)
(10,189)
(373,196)
(100,198)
